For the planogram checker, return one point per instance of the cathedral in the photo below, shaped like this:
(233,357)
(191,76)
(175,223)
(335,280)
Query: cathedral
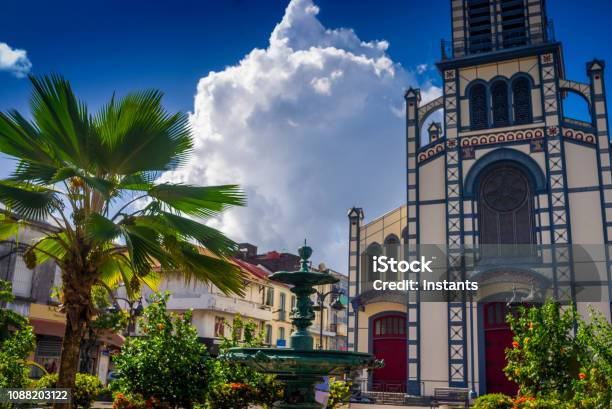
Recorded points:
(509,189)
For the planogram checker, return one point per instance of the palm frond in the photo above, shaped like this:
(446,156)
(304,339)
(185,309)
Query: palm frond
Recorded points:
(191,264)
(22,140)
(49,247)
(30,201)
(140,135)
(99,229)
(64,121)
(198,201)
(208,237)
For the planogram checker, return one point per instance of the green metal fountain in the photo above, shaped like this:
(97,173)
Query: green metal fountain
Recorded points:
(300,367)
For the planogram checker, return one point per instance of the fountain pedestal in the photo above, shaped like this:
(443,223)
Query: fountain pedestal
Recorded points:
(300,368)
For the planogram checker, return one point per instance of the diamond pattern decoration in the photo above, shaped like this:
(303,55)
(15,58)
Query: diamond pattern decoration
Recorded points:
(449,88)
(556,181)
(548,73)
(550,105)
(553,146)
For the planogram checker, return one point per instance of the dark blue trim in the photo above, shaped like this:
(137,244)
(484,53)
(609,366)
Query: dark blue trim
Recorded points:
(524,161)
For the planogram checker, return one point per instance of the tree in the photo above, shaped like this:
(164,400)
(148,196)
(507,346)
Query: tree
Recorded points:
(16,344)
(85,172)
(167,363)
(543,359)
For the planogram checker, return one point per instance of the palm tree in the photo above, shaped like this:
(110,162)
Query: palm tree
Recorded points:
(96,178)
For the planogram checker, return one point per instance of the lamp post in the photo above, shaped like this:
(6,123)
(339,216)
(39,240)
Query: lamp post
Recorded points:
(336,305)
(135,309)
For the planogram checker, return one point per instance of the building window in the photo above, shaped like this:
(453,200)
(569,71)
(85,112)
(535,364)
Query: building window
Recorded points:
(479,22)
(514,31)
(281,333)
(22,278)
(282,313)
(373,250)
(499,95)
(392,251)
(269,298)
(521,93)
(478,107)
(219,327)
(268,339)
(293,302)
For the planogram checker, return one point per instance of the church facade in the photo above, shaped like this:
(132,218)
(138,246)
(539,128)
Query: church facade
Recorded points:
(507,166)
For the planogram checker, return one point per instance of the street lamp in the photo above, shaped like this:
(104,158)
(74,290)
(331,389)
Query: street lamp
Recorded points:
(336,305)
(135,309)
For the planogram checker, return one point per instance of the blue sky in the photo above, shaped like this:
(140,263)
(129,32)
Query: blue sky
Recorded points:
(106,46)
(284,100)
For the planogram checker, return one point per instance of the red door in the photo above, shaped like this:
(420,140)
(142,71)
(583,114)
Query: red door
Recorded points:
(498,337)
(389,343)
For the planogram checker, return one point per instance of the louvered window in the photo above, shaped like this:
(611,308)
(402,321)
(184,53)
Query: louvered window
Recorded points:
(499,92)
(521,96)
(478,107)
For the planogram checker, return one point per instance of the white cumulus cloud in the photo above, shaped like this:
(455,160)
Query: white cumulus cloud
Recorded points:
(14,60)
(309,127)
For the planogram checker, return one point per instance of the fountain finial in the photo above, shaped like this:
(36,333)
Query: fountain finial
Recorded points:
(305,252)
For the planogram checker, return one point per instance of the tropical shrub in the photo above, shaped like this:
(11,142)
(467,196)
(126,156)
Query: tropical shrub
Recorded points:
(233,385)
(167,362)
(87,387)
(17,342)
(554,364)
(339,393)
(593,386)
(543,358)
(129,401)
(494,401)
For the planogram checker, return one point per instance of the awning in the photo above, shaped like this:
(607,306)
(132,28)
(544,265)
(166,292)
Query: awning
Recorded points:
(45,327)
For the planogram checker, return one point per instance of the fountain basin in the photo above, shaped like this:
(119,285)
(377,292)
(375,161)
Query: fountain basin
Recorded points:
(289,361)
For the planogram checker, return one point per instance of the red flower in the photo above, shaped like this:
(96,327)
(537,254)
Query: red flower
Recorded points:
(515,344)
(582,375)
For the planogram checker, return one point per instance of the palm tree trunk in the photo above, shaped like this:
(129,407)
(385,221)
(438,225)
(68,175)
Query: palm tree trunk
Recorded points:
(78,308)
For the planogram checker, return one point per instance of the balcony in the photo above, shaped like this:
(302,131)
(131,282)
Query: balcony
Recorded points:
(219,302)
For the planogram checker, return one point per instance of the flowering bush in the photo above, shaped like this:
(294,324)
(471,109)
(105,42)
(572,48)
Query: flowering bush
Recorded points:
(339,393)
(557,366)
(493,401)
(231,384)
(87,387)
(166,363)
(543,359)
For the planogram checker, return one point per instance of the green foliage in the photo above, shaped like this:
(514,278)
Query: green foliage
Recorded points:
(339,393)
(167,362)
(8,318)
(543,359)
(84,393)
(494,401)
(594,343)
(555,365)
(233,385)
(16,344)
(132,401)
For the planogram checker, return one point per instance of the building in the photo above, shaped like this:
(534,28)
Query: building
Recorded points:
(265,302)
(33,290)
(212,309)
(510,171)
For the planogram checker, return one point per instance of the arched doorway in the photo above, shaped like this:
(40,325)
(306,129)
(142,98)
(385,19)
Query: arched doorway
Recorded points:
(389,343)
(506,230)
(497,337)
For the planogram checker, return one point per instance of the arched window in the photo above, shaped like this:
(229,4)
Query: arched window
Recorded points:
(521,93)
(373,249)
(478,107)
(505,210)
(499,101)
(392,245)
